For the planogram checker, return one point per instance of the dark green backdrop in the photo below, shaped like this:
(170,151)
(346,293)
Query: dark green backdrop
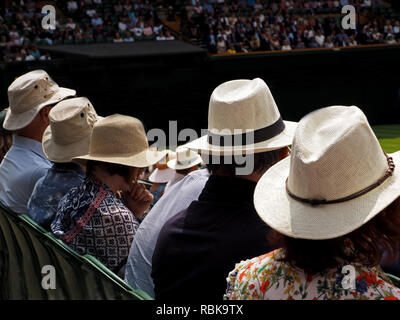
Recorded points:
(158,89)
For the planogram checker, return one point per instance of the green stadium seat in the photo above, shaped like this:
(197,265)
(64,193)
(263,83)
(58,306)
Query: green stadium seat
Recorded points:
(88,40)
(25,247)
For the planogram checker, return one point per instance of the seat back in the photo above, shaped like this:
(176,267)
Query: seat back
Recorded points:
(25,248)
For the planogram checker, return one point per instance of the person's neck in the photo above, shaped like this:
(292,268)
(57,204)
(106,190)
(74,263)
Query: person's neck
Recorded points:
(109,180)
(31,132)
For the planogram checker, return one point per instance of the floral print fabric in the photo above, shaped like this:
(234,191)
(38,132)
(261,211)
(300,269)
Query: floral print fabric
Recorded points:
(265,278)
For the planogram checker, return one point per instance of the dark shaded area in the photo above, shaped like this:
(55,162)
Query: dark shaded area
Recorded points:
(160,88)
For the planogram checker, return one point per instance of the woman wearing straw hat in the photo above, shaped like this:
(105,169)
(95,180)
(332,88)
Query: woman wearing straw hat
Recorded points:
(92,218)
(185,162)
(335,209)
(67,136)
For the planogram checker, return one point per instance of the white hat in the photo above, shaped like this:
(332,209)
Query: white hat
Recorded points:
(336,179)
(68,135)
(185,159)
(243,118)
(122,140)
(163,173)
(28,94)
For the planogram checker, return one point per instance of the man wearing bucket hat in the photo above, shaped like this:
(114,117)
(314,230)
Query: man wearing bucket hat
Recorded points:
(185,162)
(67,136)
(335,209)
(92,217)
(197,245)
(30,97)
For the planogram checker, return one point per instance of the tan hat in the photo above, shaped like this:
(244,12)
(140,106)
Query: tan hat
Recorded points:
(122,140)
(68,135)
(242,119)
(28,94)
(163,173)
(185,159)
(338,177)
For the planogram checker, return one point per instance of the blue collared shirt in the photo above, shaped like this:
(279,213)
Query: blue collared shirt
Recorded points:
(23,165)
(178,198)
(49,190)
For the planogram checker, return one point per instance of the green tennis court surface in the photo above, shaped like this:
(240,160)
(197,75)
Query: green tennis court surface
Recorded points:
(389,137)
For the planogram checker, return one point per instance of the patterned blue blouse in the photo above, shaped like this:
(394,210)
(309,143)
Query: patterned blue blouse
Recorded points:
(49,190)
(91,219)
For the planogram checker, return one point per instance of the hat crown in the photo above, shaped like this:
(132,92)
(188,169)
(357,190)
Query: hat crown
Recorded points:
(118,135)
(241,105)
(184,155)
(72,120)
(334,155)
(30,90)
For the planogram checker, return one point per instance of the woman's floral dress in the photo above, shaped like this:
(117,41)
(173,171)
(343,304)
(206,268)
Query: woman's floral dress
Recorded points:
(265,278)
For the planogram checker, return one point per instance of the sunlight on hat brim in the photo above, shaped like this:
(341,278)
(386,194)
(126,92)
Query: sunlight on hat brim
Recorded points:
(16,121)
(141,160)
(300,220)
(174,165)
(283,139)
(161,176)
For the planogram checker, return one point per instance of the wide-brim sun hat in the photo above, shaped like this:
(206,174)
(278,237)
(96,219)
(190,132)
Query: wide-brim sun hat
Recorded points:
(162,173)
(185,159)
(243,118)
(337,178)
(121,140)
(68,134)
(30,93)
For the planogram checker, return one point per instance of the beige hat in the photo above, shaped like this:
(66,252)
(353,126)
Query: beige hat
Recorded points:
(122,140)
(28,94)
(337,178)
(163,173)
(68,135)
(185,159)
(243,118)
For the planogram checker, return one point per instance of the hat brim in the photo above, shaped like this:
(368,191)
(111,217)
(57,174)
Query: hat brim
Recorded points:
(63,153)
(173,164)
(141,160)
(17,121)
(161,176)
(283,139)
(300,220)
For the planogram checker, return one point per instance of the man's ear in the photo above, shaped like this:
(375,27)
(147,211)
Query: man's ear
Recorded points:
(44,114)
(284,152)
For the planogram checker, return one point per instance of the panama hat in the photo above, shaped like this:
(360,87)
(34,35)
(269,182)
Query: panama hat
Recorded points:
(68,135)
(185,159)
(28,94)
(242,119)
(163,173)
(122,140)
(336,179)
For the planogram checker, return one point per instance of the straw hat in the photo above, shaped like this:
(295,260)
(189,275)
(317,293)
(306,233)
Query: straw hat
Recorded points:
(243,118)
(122,140)
(185,159)
(338,177)
(68,135)
(28,94)
(163,173)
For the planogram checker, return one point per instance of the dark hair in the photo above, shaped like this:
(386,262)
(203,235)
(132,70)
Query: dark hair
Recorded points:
(365,245)
(229,164)
(186,171)
(110,168)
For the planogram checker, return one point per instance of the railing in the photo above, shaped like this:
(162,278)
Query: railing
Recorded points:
(25,248)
